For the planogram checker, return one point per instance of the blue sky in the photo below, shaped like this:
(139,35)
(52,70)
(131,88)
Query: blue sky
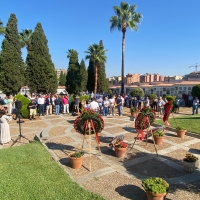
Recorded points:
(167,41)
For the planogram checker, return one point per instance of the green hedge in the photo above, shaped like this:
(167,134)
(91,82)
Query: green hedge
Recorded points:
(25,101)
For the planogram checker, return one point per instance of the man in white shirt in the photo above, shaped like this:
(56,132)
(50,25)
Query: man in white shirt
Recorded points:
(94,105)
(41,105)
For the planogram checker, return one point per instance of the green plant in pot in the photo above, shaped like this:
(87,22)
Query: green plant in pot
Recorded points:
(180,130)
(133,111)
(155,187)
(158,136)
(76,159)
(190,162)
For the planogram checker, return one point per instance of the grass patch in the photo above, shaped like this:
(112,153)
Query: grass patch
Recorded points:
(29,172)
(191,122)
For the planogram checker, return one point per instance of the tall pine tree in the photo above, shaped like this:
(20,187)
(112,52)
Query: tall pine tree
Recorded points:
(40,68)
(11,63)
(73,72)
(91,76)
(83,76)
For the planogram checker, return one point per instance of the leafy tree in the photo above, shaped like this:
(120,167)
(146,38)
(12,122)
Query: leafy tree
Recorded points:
(137,92)
(25,38)
(11,62)
(152,96)
(73,72)
(125,17)
(196,91)
(62,78)
(96,53)
(2,29)
(40,68)
(83,76)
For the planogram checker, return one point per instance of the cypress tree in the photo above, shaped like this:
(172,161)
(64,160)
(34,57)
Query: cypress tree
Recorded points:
(91,76)
(11,63)
(102,85)
(40,68)
(62,78)
(83,76)
(73,72)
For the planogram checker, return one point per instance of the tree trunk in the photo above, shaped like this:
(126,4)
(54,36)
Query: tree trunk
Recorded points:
(95,82)
(123,49)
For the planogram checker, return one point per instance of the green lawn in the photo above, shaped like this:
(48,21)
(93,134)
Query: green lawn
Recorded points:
(190,122)
(28,172)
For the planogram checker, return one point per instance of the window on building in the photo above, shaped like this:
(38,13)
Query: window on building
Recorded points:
(184,88)
(189,88)
(164,89)
(180,88)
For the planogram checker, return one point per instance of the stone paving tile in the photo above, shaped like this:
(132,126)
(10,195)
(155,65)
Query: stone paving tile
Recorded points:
(150,146)
(114,130)
(130,137)
(96,164)
(115,186)
(173,138)
(60,140)
(190,191)
(176,156)
(154,168)
(54,121)
(195,146)
(106,124)
(57,130)
(35,123)
(115,121)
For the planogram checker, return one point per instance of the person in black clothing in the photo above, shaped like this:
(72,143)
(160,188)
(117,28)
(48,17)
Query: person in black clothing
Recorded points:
(32,106)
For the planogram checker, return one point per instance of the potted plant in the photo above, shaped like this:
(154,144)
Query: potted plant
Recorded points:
(133,111)
(120,149)
(190,163)
(76,159)
(156,188)
(180,131)
(158,136)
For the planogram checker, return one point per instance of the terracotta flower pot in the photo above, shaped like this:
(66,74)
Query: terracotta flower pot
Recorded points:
(76,162)
(152,196)
(190,166)
(134,114)
(158,139)
(180,133)
(120,152)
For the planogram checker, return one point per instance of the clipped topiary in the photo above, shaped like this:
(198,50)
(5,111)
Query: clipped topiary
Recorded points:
(25,101)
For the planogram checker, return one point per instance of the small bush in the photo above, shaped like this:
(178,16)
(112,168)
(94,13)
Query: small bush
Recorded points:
(180,128)
(158,133)
(24,110)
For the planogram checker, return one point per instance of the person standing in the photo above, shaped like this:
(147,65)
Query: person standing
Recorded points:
(146,102)
(94,106)
(4,127)
(65,104)
(57,102)
(105,106)
(48,103)
(112,105)
(135,102)
(32,106)
(160,106)
(195,105)
(41,105)
(119,105)
(76,104)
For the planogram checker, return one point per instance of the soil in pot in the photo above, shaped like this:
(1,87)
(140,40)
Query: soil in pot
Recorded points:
(158,140)
(120,152)
(76,162)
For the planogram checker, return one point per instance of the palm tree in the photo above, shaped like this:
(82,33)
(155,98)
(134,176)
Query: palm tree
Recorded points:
(2,29)
(25,38)
(96,53)
(126,17)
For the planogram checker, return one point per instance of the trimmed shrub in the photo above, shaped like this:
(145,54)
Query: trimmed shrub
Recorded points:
(24,110)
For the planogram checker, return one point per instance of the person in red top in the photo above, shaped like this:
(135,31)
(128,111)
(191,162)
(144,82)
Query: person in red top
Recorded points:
(65,102)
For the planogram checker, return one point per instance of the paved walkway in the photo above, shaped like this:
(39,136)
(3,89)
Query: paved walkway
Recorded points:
(111,177)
